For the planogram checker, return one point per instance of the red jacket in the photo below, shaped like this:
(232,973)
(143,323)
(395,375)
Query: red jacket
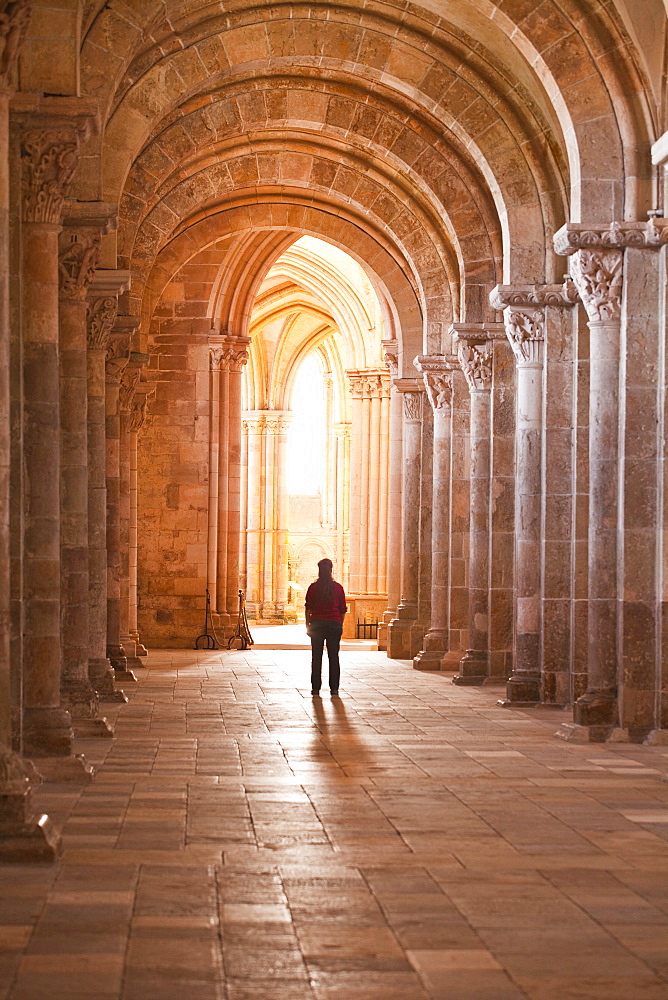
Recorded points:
(332,612)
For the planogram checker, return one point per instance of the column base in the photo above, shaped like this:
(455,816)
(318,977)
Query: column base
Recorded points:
(125,676)
(102,679)
(79,699)
(572,732)
(140,649)
(428,659)
(74,768)
(399,639)
(594,709)
(656,738)
(472,669)
(25,836)
(86,729)
(521,692)
(47,732)
(115,697)
(131,658)
(117,658)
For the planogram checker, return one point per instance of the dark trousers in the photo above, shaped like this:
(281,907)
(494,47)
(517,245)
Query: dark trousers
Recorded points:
(322,631)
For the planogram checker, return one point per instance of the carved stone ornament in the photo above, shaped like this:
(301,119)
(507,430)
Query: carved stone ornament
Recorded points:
(412,405)
(118,356)
(476,362)
(14,21)
(391,359)
(48,159)
(534,295)
(437,372)
(101,318)
(129,383)
(598,277)
(139,407)
(228,359)
(616,235)
(526,332)
(78,254)
(253,425)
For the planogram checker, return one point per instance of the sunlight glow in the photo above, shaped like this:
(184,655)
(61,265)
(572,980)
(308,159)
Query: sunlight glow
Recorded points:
(306,437)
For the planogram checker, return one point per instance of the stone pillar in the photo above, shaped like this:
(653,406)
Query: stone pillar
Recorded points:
(597,273)
(228,356)
(103,304)
(394,479)
(128,389)
(399,629)
(369,477)
(49,151)
(79,249)
(475,355)
(342,439)
(539,325)
(117,358)
(620,277)
(253,424)
(437,374)
(137,417)
(24,835)
(282,511)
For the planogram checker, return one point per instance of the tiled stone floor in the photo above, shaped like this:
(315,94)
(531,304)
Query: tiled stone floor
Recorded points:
(410,841)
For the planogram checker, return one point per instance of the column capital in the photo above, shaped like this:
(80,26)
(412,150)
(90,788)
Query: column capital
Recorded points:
(412,390)
(142,394)
(253,421)
(391,356)
(366,383)
(598,277)
(50,130)
(477,332)
(438,373)
(534,296)
(644,235)
(78,255)
(101,317)
(476,363)
(228,353)
(277,421)
(131,377)
(118,348)
(14,24)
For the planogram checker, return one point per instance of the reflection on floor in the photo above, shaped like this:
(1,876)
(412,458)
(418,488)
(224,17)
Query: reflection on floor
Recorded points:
(409,841)
(295,637)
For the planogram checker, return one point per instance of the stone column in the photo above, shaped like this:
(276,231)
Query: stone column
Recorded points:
(137,417)
(49,151)
(24,835)
(118,356)
(103,305)
(399,629)
(342,439)
(369,469)
(129,385)
(618,273)
(597,273)
(253,423)
(543,487)
(282,511)
(475,355)
(437,374)
(79,248)
(214,476)
(394,479)
(228,356)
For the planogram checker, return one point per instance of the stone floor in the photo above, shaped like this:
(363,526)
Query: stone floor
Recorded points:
(411,840)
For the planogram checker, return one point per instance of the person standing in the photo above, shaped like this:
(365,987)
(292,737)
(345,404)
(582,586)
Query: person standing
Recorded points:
(325,610)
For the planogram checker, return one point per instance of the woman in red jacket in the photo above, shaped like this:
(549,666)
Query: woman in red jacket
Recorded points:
(325,610)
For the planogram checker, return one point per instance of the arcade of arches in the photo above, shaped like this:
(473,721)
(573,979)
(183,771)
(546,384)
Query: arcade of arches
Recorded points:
(439,225)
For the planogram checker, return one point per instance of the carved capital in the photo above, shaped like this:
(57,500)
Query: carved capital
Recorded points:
(560,296)
(253,424)
(48,159)
(118,356)
(525,329)
(369,383)
(128,386)
(227,359)
(101,318)
(438,376)
(412,405)
(78,254)
(644,235)
(14,22)
(139,406)
(598,277)
(476,362)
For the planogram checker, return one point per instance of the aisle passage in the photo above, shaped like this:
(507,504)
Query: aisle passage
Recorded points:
(411,840)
